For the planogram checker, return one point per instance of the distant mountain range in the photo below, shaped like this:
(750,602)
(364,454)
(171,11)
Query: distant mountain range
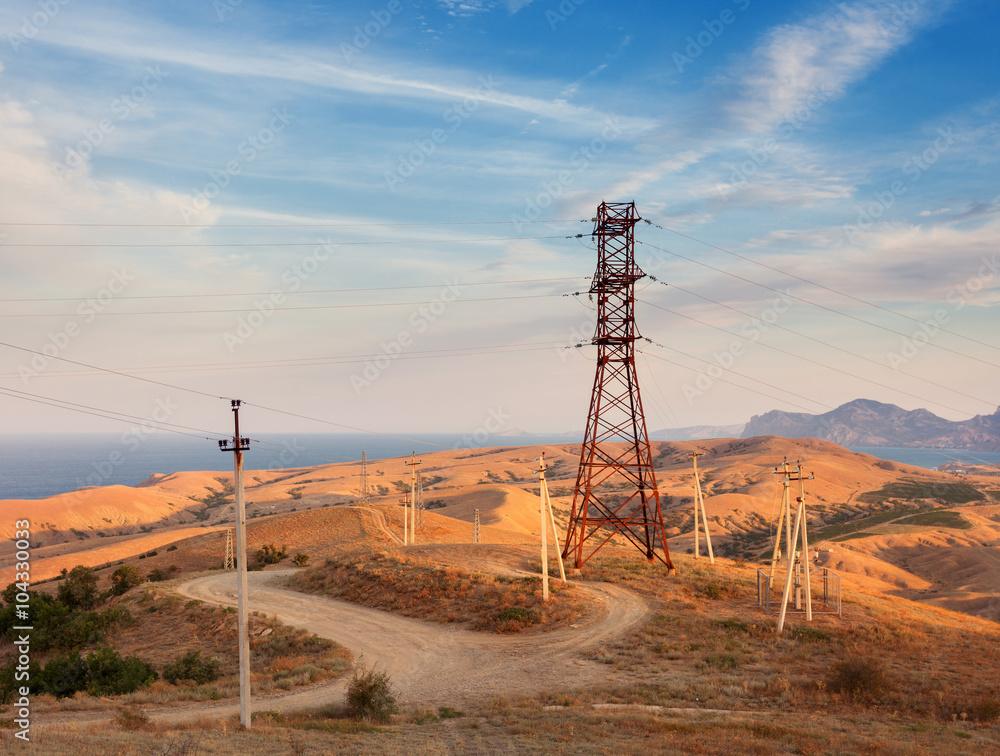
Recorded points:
(864,422)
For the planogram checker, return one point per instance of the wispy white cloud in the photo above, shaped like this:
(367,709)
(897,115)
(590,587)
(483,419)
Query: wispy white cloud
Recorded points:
(825,53)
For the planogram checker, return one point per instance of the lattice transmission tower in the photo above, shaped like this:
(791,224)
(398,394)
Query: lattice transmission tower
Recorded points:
(615,491)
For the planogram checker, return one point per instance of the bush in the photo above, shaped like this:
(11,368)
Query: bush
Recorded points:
(191,667)
(269,554)
(369,695)
(124,579)
(300,559)
(857,679)
(79,589)
(131,719)
(108,673)
(157,575)
(64,675)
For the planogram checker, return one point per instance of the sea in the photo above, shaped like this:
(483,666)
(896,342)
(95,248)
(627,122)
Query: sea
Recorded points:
(34,466)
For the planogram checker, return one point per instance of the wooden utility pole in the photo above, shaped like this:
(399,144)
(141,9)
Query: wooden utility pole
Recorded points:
(699,503)
(412,464)
(800,524)
(237,447)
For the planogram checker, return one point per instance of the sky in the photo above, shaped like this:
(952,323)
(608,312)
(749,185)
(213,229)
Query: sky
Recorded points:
(378,216)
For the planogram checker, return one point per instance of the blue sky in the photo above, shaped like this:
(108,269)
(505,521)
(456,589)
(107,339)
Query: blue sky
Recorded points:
(846,151)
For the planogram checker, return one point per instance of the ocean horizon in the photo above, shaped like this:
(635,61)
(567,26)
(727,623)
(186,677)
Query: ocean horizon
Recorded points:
(35,466)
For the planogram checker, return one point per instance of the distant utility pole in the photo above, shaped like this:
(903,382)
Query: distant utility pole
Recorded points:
(699,503)
(237,446)
(545,502)
(412,464)
(230,562)
(418,505)
(364,492)
(792,543)
(475,528)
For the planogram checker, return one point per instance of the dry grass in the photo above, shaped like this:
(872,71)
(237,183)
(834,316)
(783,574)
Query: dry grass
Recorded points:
(443,594)
(708,644)
(167,626)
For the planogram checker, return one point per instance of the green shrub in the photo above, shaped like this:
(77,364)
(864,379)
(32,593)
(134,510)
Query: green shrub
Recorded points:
(157,575)
(124,579)
(64,675)
(191,667)
(108,673)
(79,589)
(300,559)
(270,554)
(369,695)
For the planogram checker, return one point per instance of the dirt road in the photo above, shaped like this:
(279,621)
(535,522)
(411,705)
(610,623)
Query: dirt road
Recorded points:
(431,663)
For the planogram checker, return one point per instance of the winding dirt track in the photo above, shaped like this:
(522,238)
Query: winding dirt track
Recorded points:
(429,663)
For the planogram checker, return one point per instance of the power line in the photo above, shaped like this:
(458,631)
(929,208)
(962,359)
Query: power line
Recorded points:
(824,343)
(890,431)
(457,300)
(819,285)
(112,372)
(314,361)
(305,291)
(799,356)
(815,304)
(287,225)
(201,245)
(100,412)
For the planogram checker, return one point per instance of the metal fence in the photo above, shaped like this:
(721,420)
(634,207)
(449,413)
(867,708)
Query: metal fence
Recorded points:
(827,602)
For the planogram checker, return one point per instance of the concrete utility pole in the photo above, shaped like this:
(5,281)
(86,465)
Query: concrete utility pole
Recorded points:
(545,526)
(699,503)
(800,523)
(237,447)
(545,502)
(412,464)
(784,517)
(364,491)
